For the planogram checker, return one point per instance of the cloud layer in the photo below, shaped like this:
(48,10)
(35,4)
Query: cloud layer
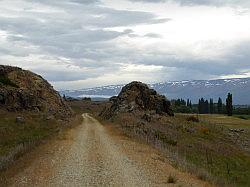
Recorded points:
(85,43)
(200,2)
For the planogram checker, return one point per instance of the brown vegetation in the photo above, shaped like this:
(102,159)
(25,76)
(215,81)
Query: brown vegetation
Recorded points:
(193,119)
(209,150)
(17,139)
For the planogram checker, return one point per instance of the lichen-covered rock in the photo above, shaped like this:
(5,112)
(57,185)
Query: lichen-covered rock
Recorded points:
(23,90)
(20,119)
(137,96)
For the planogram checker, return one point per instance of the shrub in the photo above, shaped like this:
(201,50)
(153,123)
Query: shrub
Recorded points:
(243,117)
(6,81)
(165,139)
(182,109)
(193,119)
(172,179)
(204,130)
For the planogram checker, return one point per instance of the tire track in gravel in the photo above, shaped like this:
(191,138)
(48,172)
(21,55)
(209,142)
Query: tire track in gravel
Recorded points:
(91,155)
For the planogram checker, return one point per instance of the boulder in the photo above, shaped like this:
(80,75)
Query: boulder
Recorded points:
(20,119)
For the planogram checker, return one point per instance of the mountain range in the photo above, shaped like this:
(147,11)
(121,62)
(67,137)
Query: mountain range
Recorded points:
(193,89)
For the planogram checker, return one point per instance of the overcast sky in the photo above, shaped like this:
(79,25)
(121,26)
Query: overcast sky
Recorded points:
(85,43)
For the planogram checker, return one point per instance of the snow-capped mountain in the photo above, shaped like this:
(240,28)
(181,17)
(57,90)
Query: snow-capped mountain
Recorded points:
(195,89)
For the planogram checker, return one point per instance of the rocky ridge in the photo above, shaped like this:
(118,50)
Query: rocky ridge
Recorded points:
(138,97)
(22,90)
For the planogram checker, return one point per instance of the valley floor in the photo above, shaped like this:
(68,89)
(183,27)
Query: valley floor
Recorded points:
(95,155)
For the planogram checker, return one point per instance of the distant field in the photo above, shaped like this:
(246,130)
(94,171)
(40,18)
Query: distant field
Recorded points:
(245,117)
(219,146)
(236,121)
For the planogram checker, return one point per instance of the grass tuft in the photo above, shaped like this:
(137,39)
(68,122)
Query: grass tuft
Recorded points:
(193,119)
(172,179)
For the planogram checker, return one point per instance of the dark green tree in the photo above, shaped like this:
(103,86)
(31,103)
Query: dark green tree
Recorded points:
(211,106)
(190,104)
(206,107)
(229,104)
(183,102)
(180,102)
(203,106)
(219,105)
(199,106)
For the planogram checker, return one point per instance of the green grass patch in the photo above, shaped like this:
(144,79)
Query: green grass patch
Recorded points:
(212,147)
(34,129)
(245,117)
(207,147)
(232,169)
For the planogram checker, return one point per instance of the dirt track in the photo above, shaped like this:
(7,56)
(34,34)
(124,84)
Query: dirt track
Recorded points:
(94,155)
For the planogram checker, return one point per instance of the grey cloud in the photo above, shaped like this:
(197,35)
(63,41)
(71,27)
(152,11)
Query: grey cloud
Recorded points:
(201,2)
(81,32)
(65,38)
(152,35)
(233,63)
(149,1)
(4,51)
(61,2)
(214,2)
(77,32)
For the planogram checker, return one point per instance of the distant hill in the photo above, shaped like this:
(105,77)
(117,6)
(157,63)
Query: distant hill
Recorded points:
(195,89)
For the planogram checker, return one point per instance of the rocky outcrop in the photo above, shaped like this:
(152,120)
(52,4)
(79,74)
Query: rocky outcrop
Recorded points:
(137,96)
(23,90)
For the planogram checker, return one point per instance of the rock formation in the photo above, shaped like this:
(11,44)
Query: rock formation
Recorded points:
(137,96)
(23,90)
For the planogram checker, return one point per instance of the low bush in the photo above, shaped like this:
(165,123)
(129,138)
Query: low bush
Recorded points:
(244,117)
(172,179)
(193,119)
(6,81)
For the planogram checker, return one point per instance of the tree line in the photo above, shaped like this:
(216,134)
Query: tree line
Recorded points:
(205,106)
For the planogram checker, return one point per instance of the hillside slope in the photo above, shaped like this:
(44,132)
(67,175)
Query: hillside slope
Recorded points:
(22,90)
(30,112)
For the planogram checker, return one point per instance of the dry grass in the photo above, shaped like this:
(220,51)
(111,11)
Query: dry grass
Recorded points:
(17,139)
(193,119)
(203,148)
(87,106)
(228,121)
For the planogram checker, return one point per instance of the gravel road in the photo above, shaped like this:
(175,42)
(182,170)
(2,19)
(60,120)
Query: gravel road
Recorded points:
(95,155)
